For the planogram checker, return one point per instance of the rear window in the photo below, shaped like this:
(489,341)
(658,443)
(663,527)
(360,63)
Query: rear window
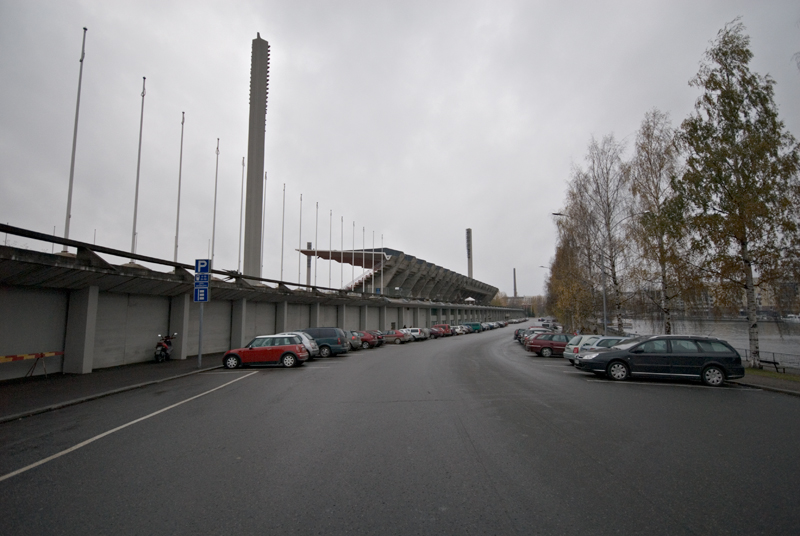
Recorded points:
(714,346)
(575,340)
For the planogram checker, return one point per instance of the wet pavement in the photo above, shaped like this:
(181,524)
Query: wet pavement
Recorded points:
(28,396)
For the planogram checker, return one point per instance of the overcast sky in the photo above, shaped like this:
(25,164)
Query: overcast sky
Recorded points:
(414,119)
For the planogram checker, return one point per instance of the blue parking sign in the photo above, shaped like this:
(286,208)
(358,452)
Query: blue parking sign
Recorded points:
(201,266)
(201,294)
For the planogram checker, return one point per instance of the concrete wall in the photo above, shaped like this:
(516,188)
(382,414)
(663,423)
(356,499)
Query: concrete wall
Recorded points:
(31,321)
(128,328)
(328,316)
(298,317)
(103,329)
(373,318)
(216,327)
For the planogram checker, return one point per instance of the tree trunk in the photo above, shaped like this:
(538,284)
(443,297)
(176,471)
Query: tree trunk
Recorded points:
(665,305)
(752,317)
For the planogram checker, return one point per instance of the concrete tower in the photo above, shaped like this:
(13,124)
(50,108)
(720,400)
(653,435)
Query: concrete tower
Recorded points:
(469,252)
(259,87)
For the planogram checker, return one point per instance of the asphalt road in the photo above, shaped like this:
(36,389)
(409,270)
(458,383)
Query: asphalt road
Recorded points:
(466,435)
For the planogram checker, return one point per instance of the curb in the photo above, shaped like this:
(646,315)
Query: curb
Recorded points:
(81,400)
(765,388)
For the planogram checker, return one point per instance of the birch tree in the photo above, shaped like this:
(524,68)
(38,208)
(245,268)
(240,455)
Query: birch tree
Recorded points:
(740,186)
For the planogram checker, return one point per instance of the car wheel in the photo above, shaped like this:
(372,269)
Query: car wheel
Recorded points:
(288,360)
(324,351)
(365,345)
(547,352)
(231,362)
(713,376)
(397,341)
(617,370)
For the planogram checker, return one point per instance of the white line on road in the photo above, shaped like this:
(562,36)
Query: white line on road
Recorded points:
(117,429)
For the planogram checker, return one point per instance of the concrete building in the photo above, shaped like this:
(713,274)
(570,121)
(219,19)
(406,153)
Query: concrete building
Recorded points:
(84,313)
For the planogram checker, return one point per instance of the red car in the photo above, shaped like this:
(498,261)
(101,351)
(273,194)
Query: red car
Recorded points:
(547,344)
(368,340)
(436,333)
(378,335)
(288,350)
(445,328)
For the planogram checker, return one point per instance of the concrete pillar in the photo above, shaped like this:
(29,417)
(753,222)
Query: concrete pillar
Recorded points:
(415,316)
(313,317)
(81,329)
(281,316)
(179,323)
(401,317)
(341,316)
(382,319)
(238,323)
(446,312)
(362,318)
(428,318)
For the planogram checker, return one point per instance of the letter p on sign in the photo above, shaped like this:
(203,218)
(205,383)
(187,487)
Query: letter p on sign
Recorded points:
(201,266)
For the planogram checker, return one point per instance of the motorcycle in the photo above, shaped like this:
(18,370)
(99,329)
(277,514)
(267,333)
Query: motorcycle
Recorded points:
(164,348)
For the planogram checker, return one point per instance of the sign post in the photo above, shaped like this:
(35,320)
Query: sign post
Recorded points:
(202,293)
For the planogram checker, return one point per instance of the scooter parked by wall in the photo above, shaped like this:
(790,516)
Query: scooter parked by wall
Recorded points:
(164,348)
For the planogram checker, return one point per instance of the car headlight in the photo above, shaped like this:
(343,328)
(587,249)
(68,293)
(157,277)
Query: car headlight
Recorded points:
(591,356)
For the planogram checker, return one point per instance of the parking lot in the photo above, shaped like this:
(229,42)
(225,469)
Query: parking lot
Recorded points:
(467,434)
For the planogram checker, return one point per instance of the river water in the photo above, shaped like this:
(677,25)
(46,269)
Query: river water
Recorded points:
(776,337)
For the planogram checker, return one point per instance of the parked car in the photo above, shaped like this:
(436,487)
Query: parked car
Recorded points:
(436,333)
(417,334)
(396,336)
(354,337)
(708,359)
(288,350)
(547,344)
(476,326)
(458,330)
(601,343)
(574,346)
(378,336)
(368,340)
(310,344)
(445,328)
(331,341)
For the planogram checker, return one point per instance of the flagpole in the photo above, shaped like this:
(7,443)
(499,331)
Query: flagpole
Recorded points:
(300,244)
(316,245)
(341,258)
(138,167)
(330,246)
(180,171)
(74,143)
(214,219)
(283,226)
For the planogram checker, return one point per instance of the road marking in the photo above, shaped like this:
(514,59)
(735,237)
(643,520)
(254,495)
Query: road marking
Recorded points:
(117,429)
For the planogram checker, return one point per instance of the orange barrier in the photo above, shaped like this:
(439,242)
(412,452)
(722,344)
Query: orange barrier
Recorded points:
(22,357)
(36,357)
